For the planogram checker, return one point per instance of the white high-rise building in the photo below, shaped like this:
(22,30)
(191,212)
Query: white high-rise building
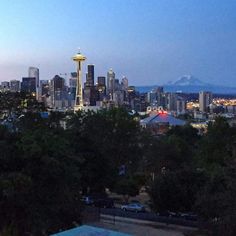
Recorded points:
(110,83)
(34,73)
(124,83)
(205,99)
(181,106)
(172,101)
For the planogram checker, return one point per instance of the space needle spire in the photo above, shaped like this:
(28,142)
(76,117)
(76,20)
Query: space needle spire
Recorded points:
(79,58)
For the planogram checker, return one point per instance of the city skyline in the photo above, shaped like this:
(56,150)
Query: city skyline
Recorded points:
(149,42)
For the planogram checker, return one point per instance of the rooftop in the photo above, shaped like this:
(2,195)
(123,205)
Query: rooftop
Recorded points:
(162,118)
(86,230)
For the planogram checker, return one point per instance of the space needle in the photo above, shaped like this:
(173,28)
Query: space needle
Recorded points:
(79,58)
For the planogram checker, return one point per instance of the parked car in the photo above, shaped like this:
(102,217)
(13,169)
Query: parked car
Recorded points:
(136,207)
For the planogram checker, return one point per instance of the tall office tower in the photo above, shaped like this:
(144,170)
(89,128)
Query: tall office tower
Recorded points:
(172,101)
(180,106)
(79,58)
(57,91)
(118,97)
(34,72)
(101,80)
(89,89)
(28,85)
(90,76)
(157,97)
(205,99)
(117,85)
(101,88)
(72,89)
(110,83)
(14,85)
(124,83)
(44,84)
(44,92)
(131,94)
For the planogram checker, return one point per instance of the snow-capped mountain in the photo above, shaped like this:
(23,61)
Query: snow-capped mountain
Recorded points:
(190,84)
(189,80)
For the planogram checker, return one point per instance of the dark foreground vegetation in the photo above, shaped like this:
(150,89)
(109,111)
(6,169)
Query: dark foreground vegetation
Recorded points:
(44,169)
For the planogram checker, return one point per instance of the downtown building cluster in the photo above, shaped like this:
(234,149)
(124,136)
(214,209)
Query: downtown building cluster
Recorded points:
(107,91)
(159,99)
(59,93)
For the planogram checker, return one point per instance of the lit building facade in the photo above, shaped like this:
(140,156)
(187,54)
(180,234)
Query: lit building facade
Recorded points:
(34,72)
(110,83)
(79,58)
(205,99)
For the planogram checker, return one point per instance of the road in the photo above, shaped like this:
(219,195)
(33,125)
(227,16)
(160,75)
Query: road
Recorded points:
(149,216)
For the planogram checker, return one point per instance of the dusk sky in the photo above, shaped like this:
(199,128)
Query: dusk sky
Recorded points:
(148,41)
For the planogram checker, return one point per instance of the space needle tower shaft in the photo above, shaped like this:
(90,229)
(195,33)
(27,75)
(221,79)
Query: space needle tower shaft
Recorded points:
(79,58)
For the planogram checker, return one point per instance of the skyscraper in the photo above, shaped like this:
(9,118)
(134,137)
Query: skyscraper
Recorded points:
(181,106)
(101,88)
(34,72)
(124,83)
(89,89)
(172,101)
(57,91)
(156,97)
(205,99)
(90,76)
(110,83)
(101,80)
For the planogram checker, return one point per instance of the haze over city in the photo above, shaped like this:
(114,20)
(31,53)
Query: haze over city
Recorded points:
(150,42)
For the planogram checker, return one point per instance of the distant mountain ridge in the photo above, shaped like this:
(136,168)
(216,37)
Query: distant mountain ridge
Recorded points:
(190,84)
(189,80)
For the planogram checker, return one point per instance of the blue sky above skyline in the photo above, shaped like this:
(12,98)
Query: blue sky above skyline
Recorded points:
(150,42)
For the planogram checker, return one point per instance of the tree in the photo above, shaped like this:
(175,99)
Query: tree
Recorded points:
(106,140)
(216,202)
(176,190)
(39,182)
(127,187)
(175,181)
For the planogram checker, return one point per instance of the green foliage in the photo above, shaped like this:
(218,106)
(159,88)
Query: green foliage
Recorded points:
(127,186)
(199,175)
(39,182)
(215,148)
(44,167)
(176,190)
(106,140)
(216,202)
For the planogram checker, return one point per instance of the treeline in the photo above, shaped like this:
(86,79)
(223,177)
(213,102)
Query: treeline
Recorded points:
(197,174)
(44,169)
